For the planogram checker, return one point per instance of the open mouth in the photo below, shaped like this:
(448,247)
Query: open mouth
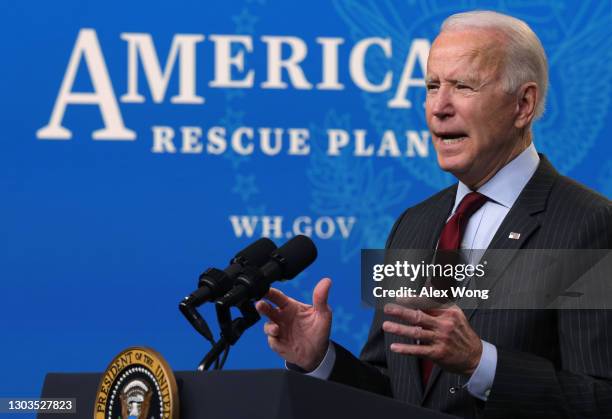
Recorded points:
(452,138)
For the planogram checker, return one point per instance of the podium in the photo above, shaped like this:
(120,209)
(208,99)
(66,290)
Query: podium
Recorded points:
(253,394)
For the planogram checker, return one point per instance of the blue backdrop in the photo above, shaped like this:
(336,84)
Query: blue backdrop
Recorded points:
(101,238)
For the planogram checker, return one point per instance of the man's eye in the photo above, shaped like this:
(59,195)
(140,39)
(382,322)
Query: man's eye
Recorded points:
(463,87)
(432,87)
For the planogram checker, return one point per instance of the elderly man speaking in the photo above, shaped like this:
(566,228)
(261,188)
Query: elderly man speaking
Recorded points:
(486,84)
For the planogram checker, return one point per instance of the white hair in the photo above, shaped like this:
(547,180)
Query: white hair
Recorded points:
(525,59)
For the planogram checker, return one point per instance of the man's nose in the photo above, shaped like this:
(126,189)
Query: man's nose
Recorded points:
(442,103)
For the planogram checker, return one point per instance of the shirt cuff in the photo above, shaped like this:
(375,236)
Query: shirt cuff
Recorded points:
(481,381)
(323,371)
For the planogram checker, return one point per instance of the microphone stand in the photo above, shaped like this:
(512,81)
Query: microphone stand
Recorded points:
(231,330)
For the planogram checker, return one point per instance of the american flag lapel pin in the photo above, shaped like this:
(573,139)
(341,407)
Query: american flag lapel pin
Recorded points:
(514,236)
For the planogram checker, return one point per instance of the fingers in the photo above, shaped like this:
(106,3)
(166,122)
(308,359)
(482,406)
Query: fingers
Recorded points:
(276,346)
(443,310)
(321,294)
(420,303)
(417,350)
(278,298)
(272,329)
(267,310)
(414,332)
(415,317)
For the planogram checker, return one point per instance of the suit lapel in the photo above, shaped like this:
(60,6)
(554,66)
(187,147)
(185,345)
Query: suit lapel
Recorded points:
(520,224)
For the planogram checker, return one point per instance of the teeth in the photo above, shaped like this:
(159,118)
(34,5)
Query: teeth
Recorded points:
(452,140)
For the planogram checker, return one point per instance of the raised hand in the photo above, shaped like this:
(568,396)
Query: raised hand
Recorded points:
(445,335)
(298,332)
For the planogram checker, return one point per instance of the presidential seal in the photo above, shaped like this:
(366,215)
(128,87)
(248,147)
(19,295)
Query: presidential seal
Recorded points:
(137,384)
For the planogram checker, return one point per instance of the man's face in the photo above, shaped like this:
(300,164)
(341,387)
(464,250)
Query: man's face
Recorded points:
(470,117)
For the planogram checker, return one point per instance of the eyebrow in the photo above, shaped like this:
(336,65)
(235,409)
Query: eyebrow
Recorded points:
(468,79)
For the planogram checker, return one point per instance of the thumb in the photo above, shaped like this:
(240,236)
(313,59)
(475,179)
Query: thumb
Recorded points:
(320,295)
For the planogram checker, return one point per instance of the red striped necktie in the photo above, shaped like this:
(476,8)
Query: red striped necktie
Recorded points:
(450,239)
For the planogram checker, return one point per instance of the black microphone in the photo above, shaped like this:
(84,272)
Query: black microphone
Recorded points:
(284,263)
(214,283)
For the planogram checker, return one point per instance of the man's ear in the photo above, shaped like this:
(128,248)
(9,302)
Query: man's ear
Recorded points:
(526,105)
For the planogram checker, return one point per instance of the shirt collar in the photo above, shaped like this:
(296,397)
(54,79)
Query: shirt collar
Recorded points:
(506,185)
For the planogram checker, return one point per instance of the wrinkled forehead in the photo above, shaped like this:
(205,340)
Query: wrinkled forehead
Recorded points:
(479,53)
